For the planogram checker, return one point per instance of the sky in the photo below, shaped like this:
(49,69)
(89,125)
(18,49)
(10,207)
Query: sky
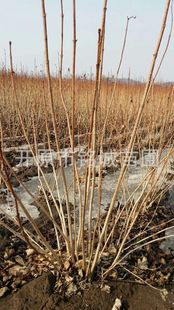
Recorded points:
(21,23)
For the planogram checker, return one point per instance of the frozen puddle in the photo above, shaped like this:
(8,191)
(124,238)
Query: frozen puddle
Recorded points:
(133,179)
(9,210)
(167,245)
(108,186)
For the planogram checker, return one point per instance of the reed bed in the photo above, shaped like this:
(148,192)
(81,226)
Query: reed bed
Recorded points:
(158,113)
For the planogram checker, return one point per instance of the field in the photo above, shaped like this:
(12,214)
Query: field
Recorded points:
(86,180)
(121,101)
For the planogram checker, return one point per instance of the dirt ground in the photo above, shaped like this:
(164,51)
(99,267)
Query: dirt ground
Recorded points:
(39,294)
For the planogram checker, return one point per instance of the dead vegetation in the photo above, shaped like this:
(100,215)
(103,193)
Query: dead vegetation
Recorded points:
(101,115)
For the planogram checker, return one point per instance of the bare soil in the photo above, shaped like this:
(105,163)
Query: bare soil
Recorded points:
(40,294)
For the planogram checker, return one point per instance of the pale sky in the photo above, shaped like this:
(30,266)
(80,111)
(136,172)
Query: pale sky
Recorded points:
(21,23)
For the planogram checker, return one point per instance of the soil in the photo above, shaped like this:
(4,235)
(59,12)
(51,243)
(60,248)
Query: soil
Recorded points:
(42,293)
(39,294)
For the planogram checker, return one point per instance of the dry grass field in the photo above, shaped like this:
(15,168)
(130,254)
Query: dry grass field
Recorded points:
(156,127)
